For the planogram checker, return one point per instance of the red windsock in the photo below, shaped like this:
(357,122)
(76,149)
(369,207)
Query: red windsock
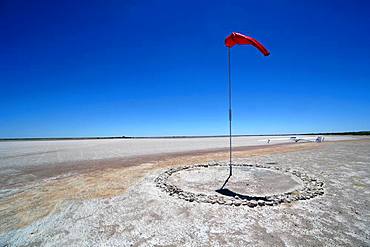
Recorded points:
(241,39)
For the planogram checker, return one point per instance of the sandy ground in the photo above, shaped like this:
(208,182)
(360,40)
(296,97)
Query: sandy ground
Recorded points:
(120,205)
(24,161)
(38,192)
(21,154)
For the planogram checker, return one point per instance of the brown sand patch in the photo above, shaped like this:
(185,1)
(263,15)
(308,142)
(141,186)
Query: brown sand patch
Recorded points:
(38,198)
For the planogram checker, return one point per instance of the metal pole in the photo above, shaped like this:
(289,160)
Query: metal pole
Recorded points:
(230,113)
(230,117)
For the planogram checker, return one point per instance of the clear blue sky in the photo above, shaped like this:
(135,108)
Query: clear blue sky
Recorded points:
(138,68)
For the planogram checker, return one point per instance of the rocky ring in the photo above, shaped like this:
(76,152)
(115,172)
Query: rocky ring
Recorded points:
(310,187)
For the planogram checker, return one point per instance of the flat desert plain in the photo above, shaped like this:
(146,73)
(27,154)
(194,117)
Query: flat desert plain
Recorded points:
(104,193)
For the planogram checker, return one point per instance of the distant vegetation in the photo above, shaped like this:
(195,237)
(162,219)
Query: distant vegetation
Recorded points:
(357,133)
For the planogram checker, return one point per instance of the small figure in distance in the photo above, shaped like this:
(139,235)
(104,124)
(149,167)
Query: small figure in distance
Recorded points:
(268,141)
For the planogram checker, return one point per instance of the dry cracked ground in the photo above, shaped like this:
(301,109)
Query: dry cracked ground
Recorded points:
(121,205)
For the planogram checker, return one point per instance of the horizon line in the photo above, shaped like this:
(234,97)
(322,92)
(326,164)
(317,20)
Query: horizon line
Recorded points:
(366,132)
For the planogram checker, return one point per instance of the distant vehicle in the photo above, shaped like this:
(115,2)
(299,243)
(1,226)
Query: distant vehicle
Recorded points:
(320,139)
(293,138)
(309,139)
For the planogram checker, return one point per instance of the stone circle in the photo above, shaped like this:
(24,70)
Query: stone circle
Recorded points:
(254,185)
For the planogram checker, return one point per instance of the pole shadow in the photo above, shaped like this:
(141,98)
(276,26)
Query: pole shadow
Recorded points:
(227,192)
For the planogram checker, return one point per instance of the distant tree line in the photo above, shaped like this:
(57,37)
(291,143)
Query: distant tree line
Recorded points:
(356,133)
